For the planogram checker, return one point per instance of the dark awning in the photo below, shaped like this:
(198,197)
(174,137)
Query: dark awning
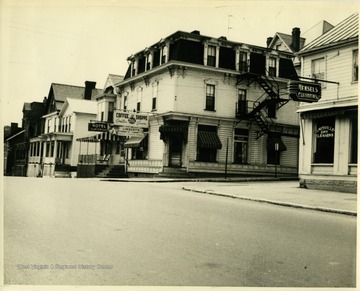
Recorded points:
(171,128)
(108,136)
(209,140)
(328,112)
(136,141)
(272,140)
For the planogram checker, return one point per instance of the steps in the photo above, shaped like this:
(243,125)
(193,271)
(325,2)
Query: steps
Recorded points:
(117,171)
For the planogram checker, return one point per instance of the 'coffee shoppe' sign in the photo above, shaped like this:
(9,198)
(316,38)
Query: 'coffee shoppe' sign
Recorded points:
(304,91)
(132,119)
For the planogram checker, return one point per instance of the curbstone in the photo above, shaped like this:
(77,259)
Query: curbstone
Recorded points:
(287,204)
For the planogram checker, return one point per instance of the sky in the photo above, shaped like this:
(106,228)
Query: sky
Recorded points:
(72,41)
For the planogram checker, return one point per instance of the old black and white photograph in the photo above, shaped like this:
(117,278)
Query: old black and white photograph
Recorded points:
(179,144)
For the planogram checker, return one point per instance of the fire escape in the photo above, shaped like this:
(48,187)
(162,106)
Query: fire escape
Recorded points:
(258,110)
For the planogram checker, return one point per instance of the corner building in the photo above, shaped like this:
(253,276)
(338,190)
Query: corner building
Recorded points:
(214,106)
(329,140)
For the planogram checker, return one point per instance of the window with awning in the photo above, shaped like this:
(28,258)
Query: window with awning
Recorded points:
(208,142)
(174,128)
(136,142)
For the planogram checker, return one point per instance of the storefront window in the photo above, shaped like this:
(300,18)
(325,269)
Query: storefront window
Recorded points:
(353,140)
(241,145)
(324,140)
(208,143)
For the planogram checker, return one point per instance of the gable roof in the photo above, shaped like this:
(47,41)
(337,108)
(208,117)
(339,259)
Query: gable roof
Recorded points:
(61,92)
(80,106)
(287,40)
(347,30)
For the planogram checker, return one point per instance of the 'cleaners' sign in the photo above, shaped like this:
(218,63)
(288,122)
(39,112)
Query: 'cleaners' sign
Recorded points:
(304,91)
(133,119)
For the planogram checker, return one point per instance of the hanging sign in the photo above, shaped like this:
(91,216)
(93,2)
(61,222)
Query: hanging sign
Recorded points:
(97,126)
(132,119)
(304,91)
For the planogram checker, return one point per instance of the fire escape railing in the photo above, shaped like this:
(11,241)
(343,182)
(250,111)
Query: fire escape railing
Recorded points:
(258,112)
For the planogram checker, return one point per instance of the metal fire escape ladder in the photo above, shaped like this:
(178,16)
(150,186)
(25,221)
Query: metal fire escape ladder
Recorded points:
(272,91)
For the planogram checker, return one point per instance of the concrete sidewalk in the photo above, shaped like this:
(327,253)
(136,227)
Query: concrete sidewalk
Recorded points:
(285,193)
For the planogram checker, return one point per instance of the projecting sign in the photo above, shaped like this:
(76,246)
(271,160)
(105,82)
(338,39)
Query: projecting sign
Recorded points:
(304,91)
(130,131)
(131,119)
(98,126)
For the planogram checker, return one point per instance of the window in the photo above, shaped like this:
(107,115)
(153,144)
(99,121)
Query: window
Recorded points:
(210,97)
(111,112)
(163,55)
(102,116)
(70,123)
(208,143)
(242,102)
(318,69)
(355,66)
(211,56)
(241,145)
(125,102)
(243,66)
(55,121)
(272,67)
(324,140)
(271,109)
(353,139)
(139,97)
(148,64)
(49,125)
(133,66)
(154,95)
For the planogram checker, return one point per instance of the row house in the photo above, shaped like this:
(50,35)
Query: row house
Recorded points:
(214,106)
(17,145)
(67,112)
(328,143)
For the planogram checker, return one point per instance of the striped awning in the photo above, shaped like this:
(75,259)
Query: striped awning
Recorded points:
(209,140)
(136,141)
(174,128)
(108,136)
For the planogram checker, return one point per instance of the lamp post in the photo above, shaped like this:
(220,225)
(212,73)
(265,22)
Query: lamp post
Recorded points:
(276,157)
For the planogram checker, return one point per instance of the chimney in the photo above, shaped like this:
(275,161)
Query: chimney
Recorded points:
(14,127)
(89,86)
(196,32)
(295,41)
(268,41)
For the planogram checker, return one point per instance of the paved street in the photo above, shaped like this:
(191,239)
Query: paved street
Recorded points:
(89,232)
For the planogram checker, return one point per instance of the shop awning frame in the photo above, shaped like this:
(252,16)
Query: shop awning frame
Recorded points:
(136,141)
(103,136)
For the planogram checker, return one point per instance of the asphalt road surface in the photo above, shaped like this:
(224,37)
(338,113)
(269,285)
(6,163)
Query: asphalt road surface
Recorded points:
(88,232)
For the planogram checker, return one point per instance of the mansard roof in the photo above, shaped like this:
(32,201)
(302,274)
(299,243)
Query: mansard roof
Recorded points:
(346,31)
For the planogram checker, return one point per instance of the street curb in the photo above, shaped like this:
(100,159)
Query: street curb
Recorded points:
(221,180)
(345,212)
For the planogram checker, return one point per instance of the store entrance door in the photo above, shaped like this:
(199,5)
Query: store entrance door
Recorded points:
(175,151)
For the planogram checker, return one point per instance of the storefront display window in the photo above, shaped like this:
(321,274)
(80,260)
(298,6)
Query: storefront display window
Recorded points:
(353,140)
(324,140)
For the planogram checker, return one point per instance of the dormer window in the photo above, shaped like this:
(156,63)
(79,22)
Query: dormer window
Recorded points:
(272,66)
(243,64)
(211,56)
(163,54)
